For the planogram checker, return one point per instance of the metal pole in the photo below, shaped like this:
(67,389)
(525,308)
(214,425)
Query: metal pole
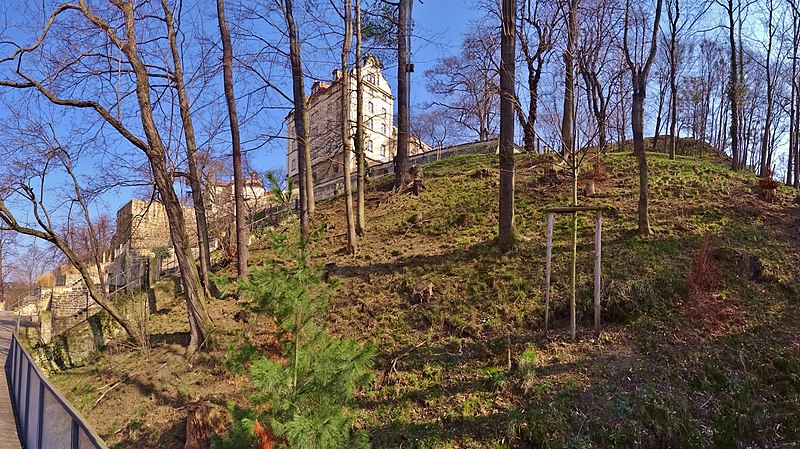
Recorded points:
(547,273)
(597,250)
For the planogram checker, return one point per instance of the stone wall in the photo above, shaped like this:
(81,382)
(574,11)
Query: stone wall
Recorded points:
(145,225)
(68,301)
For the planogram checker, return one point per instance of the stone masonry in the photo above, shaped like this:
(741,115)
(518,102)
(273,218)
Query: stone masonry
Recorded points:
(145,225)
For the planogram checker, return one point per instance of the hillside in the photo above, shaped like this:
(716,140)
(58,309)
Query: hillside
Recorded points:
(470,366)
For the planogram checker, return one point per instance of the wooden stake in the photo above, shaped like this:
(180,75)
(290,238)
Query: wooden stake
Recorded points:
(574,259)
(547,273)
(597,265)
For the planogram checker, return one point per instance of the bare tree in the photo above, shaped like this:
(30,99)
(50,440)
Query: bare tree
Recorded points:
(568,111)
(769,72)
(535,55)
(596,64)
(466,84)
(140,73)
(404,69)
(361,162)
(506,235)
(242,253)
(347,137)
(191,146)
(26,187)
(304,175)
(639,72)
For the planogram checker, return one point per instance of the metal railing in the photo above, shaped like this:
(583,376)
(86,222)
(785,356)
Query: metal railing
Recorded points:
(45,419)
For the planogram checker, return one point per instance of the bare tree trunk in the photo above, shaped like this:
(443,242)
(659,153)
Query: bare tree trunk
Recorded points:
(300,121)
(733,91)
(401,175)
(639,73)
(637,125)
(659,114)
(191,149)
(674,17)
(347,149)
(535,63)
(361,162)
(506,234)
(766,155)
(195,294)
(568,117)
(242,253)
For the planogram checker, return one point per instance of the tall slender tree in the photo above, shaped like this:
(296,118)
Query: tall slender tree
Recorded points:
(347,136)
(361,162)
(506,234)
(639,72)
(242,253)
(404,69)
(191,146)
(568,112)
(734,87)
(300,122)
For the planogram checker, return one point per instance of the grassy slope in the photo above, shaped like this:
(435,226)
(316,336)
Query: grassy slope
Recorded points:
(716,370)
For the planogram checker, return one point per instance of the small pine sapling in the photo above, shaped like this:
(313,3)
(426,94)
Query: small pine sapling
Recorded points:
(305,396)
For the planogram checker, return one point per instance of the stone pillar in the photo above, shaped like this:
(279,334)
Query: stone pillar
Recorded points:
(46,326)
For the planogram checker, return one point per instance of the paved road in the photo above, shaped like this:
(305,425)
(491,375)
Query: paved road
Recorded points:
(8,427)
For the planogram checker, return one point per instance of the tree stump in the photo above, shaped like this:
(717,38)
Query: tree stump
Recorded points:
(422,291)
(417,186)
(769,195)
(204,418)
(589,189)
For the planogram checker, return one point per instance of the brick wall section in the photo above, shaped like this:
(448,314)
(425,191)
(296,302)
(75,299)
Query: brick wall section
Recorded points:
(67,301)
(145,225)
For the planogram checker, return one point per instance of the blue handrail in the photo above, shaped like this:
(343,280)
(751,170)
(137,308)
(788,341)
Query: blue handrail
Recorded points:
(46,420)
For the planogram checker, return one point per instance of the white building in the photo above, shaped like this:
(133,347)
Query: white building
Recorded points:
(324,106)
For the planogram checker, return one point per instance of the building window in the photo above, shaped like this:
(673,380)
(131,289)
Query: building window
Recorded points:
(383,112)
(369,123)
(369,146)
(294,164)
(383,128)
(370,107)
(383,150)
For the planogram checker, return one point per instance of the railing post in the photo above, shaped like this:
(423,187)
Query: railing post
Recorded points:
(75,435)
(24,418)
(40,430)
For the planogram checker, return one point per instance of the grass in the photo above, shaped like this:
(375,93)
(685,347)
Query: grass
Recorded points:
(471,367)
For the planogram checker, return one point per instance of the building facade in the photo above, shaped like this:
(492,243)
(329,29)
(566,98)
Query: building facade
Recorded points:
(324,122)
